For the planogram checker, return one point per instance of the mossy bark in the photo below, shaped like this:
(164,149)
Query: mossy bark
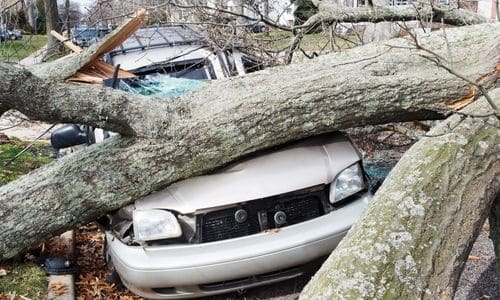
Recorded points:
(167,140)
(329,12)
(413,240)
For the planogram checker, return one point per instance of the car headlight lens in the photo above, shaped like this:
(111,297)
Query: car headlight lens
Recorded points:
(155,224)
(347,183)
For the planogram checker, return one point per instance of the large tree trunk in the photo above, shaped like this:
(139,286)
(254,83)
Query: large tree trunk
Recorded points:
(29,10)
(170,140)
(494,219)
(413,240)
(51,23)
(330,12)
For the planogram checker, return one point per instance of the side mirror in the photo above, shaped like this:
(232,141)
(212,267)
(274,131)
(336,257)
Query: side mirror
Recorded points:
(68,136)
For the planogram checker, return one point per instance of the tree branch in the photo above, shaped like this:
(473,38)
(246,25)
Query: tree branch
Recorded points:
(406,245)
(330,13)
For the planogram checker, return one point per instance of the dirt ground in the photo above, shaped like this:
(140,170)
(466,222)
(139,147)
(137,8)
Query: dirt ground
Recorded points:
(478,281)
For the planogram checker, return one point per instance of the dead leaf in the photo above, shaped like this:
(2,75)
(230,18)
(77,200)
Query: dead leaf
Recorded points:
(274,230)
(3,272)
(58,288)
(472,257)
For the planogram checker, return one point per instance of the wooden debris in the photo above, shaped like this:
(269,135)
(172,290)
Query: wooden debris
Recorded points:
(124,32)
(66,42)
(97,70)
(472,257)
(466,100)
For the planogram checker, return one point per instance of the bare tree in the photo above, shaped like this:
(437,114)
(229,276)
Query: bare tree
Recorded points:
(70,15)
(51,23)
(29,10)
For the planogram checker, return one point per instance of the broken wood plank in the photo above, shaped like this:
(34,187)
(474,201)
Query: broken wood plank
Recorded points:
(124,32)
(66,68)
(66,42)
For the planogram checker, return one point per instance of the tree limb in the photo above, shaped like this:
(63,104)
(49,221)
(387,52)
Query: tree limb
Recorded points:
(406,245)
(330,13)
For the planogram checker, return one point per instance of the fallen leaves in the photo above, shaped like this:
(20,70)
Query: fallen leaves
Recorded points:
(3,272)
(58,288)
(12,296)
(93,282)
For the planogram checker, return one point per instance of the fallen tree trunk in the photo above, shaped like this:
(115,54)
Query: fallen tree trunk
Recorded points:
(330,12)
(413,240)
(196,133)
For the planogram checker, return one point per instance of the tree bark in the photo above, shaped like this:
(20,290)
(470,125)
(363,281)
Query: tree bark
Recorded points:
(330,12)
(494,219)
(413,240)
(181,137)
(51,23)
(29,6)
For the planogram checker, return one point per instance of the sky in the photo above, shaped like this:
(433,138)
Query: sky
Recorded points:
(83,3)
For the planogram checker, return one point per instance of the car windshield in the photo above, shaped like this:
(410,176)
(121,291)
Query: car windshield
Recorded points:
(159,85)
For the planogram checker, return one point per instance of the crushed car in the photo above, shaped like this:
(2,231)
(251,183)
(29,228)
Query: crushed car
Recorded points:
(181,51)
(260,220)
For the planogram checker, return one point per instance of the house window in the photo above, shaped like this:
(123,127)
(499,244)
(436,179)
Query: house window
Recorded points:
(401,2)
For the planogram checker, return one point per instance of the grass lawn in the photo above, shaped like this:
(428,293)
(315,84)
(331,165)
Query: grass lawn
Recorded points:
(17,277)
(16,50)
(22,279)
(38,155)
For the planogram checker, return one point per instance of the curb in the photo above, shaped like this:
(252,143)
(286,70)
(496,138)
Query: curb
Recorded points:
(62,287)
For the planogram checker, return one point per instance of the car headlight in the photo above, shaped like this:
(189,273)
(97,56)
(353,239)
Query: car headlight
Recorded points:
(347,183)
(155,224)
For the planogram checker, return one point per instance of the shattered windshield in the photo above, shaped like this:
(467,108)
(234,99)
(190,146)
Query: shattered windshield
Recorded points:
(159,85)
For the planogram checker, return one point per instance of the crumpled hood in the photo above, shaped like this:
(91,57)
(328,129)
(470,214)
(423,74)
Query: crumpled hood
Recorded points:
(311,162)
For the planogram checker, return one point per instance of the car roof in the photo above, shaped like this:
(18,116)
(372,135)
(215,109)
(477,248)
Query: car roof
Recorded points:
(160,35)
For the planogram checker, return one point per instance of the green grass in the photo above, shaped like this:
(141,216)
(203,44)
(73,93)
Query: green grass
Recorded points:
(38,155)
(25,279)
(16,50)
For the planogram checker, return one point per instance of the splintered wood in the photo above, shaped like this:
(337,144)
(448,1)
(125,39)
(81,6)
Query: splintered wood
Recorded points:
(97,70)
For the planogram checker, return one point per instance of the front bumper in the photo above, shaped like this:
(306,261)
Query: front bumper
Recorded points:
(186,271)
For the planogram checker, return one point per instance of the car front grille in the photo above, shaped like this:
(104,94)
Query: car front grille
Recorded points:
(221,225)
(261,215)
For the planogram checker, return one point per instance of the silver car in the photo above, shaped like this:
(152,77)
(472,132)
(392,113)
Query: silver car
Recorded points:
(255,222)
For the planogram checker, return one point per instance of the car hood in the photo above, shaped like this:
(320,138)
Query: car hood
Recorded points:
(308,163)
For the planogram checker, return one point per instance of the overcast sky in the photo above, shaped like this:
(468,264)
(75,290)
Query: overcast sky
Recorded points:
(83,3)
(86,3)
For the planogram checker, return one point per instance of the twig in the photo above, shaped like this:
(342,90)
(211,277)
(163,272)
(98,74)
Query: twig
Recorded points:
(13,126)
(8,162)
